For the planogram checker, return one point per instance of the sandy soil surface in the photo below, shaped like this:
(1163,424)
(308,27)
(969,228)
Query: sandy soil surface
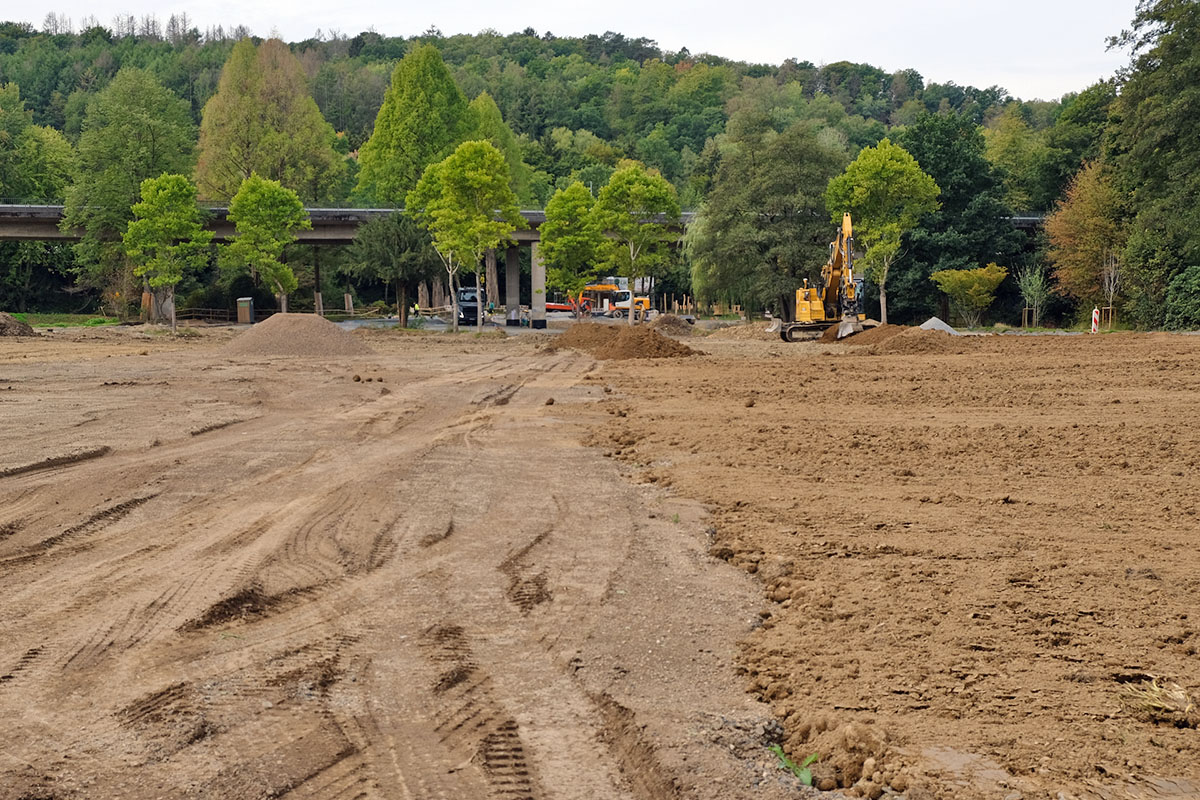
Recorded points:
(409,574)
(398,575)
(971,548)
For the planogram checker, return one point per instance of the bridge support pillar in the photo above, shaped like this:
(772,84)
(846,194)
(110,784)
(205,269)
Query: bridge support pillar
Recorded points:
(538,314)
(512,286)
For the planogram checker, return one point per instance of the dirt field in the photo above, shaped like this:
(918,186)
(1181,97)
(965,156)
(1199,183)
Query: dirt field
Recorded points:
(235,576)
(970,547)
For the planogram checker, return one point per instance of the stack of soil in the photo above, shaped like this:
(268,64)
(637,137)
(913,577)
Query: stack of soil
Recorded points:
(870,336)
(11,326)
(914,341)
(610,342)
(297,335)
(754,331)
(672,325)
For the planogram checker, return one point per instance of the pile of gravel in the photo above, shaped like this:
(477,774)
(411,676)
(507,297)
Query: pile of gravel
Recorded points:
(11,326)
(296,335)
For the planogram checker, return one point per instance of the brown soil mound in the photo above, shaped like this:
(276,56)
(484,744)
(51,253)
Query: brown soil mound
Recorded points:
(672,325)
(610,342)
(586,336)
(754,331)
(297,335)
(642,341)
(914,341)
(11,326)
(876,335)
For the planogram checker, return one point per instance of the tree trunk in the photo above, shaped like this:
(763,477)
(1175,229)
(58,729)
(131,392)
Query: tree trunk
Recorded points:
(883,304)
(318,305)
(479,301)
(402,303)
(453,302)
(282,303)
(171,305)
(493,278)
(423,294)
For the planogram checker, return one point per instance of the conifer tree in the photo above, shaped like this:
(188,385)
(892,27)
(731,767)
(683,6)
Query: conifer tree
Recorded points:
(264,120)
(423,117)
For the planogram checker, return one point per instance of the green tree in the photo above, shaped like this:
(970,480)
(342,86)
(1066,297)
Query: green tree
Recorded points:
(134,129)
(1086,233)
(639,214)
(970,228)
(886,193)
(468,207)
(485,123)
(423,117)
(1034,289)
(971,291)
(35,162)
(1154,149)
(570,240)
(762,228)
(1183,300)
(394,249)
(263,120)
(266,216)
(1016,151)
(166,237)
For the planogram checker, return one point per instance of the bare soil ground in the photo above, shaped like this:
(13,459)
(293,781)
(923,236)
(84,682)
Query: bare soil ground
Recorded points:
(405,574)
(398,575)
(971,547)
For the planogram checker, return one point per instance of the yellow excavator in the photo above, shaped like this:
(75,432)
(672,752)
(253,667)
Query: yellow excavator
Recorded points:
(837,299)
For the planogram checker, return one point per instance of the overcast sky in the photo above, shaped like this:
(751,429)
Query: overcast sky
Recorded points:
(1032,48)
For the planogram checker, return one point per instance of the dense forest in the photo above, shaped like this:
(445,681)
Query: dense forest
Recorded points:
(749,146)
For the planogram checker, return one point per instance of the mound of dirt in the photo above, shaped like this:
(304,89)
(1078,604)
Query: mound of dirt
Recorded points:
(754,331)
(297,335)
(914,341)
(11,326)
(875,335)
(586,336)
(672,325)
(612,342)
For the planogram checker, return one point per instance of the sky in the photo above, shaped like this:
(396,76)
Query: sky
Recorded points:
(1035,49)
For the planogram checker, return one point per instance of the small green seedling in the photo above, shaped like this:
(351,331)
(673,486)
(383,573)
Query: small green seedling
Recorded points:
(802,770)
(675,519)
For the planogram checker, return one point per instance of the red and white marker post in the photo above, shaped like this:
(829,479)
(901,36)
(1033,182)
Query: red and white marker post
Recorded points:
(1096,320)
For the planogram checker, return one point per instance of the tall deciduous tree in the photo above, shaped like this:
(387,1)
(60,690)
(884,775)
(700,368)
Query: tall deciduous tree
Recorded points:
(264,120)
(570,240)
(466,204)
(970,228)
(266,216)
(134,129)
(762,228)
(394,249)
(166,237)
(638,212)
(1155,150)
(886,193)
(1086,233)
(35,162)
(485,123)
(423,117)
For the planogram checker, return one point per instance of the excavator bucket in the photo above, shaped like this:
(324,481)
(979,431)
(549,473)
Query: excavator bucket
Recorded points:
(848,327)
(775,325)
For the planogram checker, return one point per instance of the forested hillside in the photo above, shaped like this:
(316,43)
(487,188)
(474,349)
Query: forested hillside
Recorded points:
(572,109)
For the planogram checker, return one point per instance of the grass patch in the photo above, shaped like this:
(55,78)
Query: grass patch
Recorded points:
(800,770)
(64,320)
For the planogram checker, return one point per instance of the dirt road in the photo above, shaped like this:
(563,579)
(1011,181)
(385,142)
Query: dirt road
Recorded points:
(398,575)
(971,547)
